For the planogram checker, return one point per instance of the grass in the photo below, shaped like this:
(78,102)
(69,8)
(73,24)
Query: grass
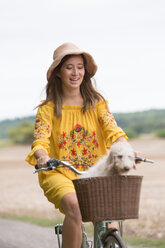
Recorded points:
(134,241)
(46,222)
(151,243)
(35,220)
(5,143)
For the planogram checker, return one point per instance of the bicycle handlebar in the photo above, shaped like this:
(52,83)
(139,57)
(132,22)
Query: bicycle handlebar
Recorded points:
(54,163)
(139,159)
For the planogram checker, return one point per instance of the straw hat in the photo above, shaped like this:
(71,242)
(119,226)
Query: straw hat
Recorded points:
(71,49)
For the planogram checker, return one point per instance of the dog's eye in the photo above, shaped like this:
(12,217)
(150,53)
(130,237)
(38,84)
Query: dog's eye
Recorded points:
(120,156)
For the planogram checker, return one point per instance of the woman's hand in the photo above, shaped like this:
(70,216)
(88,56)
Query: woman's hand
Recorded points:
(42,161)
(137,154)
(42,158)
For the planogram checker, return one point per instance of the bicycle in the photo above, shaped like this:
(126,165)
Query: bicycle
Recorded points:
(104,237)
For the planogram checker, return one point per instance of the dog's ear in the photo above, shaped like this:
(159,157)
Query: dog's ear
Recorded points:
(110,157)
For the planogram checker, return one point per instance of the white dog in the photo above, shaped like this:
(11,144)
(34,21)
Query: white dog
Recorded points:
(119,161)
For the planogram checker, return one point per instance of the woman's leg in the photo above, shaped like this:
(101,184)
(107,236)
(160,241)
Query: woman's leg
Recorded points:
(71,232)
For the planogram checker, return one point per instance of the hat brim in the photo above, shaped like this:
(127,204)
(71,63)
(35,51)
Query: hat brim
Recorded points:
(91,66)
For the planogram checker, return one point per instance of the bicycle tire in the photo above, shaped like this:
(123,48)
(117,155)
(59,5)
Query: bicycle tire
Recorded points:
(112,240)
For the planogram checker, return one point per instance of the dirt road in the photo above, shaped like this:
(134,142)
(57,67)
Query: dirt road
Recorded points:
(17,234)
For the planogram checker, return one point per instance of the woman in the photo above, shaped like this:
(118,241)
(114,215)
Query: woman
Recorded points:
(72,124)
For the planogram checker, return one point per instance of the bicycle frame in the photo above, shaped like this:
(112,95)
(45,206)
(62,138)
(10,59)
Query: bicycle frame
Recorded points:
(99,229)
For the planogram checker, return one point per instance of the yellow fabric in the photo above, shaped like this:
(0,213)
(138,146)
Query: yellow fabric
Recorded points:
(55,185)
(81,139)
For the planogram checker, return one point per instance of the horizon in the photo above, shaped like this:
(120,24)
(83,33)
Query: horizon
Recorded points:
(114,113)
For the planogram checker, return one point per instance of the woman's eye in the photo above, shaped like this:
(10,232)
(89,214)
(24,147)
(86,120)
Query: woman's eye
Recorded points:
(78,67)
(81,67)
(69,67)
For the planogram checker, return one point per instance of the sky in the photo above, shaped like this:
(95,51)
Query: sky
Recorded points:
(125,37)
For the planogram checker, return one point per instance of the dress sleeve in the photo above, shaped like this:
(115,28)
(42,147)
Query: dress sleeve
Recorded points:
(42,132)
(110,129)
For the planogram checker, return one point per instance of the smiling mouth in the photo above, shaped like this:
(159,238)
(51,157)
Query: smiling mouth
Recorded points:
(74,80)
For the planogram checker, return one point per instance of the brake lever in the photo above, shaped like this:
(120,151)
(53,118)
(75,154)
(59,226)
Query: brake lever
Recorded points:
(139,159)
(52,164)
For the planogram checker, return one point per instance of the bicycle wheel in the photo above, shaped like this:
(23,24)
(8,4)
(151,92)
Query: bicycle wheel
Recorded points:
(112,240)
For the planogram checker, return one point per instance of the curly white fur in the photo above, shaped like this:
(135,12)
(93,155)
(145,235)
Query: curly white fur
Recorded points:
(119,161)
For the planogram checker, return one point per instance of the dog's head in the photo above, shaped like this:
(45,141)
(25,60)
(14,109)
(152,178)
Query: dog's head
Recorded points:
(121,157)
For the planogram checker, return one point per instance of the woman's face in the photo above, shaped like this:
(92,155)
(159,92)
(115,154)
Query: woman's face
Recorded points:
(72,72)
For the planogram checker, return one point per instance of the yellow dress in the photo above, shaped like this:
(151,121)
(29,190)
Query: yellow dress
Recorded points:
(81,139)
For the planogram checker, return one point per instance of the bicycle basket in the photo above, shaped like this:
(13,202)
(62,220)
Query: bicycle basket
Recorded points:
(108,198)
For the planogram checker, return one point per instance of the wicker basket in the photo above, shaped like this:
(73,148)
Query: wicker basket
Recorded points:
(108,198)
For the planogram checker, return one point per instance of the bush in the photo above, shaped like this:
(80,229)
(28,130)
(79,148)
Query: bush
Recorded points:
(161,133)
(130,133)
(22,134)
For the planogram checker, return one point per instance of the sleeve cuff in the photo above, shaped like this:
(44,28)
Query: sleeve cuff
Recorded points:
(114,137)
(30,158)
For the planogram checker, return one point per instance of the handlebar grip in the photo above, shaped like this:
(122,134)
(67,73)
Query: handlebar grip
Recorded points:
(50,164)
(53,162)
(138,159)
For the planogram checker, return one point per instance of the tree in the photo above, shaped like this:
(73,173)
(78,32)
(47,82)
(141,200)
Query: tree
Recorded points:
(22,134)
(161,133)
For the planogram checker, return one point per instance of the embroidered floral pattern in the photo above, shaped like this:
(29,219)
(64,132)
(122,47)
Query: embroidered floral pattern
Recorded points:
(80,147)
(107,119)
(41,128)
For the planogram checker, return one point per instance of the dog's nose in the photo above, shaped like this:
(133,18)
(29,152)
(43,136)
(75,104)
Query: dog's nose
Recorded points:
(126,168)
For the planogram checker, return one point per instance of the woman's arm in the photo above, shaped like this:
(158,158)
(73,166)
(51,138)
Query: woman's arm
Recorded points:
(122,138)
(42,133)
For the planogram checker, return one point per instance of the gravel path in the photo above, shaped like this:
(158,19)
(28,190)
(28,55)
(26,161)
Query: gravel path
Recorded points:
(18,234)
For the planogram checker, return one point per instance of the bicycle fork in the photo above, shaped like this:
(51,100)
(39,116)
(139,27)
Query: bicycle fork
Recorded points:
(100,228)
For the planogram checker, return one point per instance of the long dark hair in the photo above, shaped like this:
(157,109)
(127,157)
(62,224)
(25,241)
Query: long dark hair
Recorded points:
(54,90)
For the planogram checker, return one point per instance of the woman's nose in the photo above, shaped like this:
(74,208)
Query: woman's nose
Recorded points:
(74,71)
